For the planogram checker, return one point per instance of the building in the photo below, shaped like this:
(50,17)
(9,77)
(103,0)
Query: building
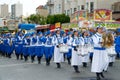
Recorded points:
(16,10)
(70,6)
(100,4)
(42,10)
(73,5)
(55,6)
(0,10)
(4,12)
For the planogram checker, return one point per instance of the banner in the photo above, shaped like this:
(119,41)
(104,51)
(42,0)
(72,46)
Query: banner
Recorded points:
(86,24)
(78,16)
(57,25)
(108,24)
(102,14)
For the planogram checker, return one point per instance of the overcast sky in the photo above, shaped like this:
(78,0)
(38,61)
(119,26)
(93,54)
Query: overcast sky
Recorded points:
(29,6)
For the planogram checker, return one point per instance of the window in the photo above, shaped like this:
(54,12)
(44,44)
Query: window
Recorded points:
(119,8)
(82,7)
(71,10)
(75,9)
(68,12)
(87,5)
(78,8)
(113,7)
(91,6)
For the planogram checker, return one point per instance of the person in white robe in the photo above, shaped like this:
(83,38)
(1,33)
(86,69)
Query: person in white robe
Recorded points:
(100,57)
(84,42)
(76,59)
(57,42)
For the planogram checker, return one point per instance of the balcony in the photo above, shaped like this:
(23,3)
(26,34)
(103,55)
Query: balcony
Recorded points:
(50,3)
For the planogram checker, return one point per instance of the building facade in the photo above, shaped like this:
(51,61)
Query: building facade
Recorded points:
(70,6)
(55,6)
(4,12)
(42,10)
(16,10)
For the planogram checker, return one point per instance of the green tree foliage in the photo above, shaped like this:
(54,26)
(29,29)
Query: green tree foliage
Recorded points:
(62,18)
(51,19)
(36,19)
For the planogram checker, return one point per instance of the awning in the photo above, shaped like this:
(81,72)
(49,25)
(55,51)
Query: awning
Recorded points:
(39,27)
(26,26)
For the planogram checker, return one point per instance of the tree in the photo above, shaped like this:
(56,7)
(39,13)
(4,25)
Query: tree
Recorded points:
(36,19)
(62,18)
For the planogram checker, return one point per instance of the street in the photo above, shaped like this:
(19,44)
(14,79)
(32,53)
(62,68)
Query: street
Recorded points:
(12,69)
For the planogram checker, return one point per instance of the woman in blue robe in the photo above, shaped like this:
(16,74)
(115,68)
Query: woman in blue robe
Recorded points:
(48,49)
(39,49)
(26,46)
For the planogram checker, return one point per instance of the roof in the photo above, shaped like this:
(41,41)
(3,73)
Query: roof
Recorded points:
(40,7)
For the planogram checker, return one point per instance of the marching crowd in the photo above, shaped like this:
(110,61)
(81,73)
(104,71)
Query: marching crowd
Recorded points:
(79,48)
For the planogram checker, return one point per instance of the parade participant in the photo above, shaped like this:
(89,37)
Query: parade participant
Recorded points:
(100,57)
(39,50)
(11,45)
(63,34)
(85,42)
(6,45)
(48,49)
(33,41)
(69,43)
(18,45)
(117,43)
(76,59)
(26,46)
(108,43)
(2,45)
(57,42)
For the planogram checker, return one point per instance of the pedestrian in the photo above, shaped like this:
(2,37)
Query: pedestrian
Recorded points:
(48,48)
(69,43)
(76,59)
(39,49)
(33,41)
(58,41)
(19,45)
(26,46)
(100,57)
(117,43)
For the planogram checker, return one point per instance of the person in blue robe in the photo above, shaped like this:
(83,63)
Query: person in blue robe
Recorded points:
(26,46)
(19,45)
(69,43)
(39,49)
(33,41)
(48,49)
(117,43)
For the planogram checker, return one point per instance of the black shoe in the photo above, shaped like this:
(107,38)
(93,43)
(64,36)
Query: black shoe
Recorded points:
(76,69)
(9,56)
(84,64)
(69,61)
(98,76)
(21,56)
(17,56)
(47,62)
(39,60)
(32,59)
(26,58)
(58,65)
(101,74)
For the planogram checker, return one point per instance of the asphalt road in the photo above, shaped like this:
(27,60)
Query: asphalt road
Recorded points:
(12,69)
